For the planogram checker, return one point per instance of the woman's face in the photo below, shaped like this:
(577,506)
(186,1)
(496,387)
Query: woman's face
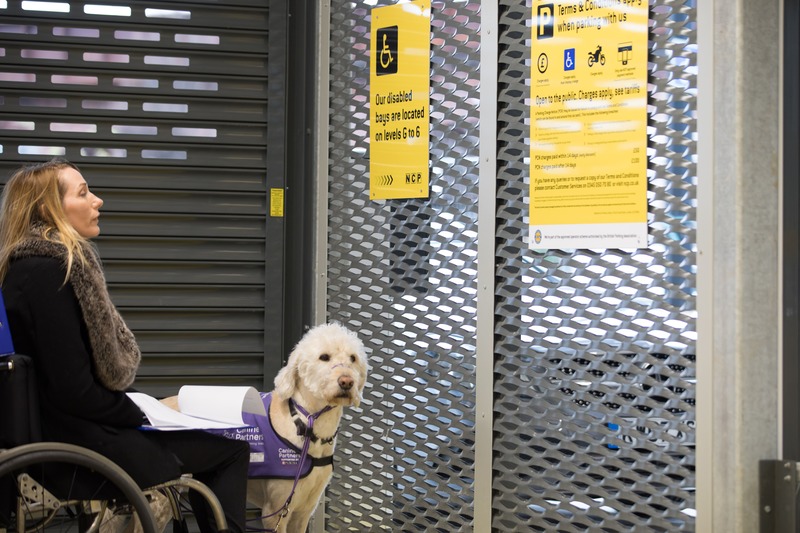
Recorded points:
(80,205)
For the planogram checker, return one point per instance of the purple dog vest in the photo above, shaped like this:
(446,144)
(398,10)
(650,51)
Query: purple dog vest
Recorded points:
(270,455)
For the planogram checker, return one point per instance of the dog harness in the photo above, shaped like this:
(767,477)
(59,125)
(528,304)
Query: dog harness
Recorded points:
(305,431)
(272,457)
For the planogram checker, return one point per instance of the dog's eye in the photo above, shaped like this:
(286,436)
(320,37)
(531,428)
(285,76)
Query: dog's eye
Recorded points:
(324,357)
(352,358)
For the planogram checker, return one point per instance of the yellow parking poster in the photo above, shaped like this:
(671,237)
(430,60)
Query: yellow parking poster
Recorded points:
(588,157)
(399,115)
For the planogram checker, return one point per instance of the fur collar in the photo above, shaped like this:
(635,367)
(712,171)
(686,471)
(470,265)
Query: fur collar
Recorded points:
(114,350)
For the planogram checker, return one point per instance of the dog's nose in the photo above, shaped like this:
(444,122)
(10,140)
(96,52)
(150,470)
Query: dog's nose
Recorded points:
(345,382)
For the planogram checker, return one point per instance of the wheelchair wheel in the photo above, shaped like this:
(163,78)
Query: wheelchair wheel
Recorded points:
(52,486)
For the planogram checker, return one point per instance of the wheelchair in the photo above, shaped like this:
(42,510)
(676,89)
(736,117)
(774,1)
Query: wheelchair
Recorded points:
(61,487)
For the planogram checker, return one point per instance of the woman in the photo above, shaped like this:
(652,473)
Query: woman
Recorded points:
(60,314)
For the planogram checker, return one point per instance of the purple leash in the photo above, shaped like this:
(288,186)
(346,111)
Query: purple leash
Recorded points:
(284,510)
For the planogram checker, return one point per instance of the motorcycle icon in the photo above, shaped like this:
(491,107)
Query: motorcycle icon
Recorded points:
(597,57)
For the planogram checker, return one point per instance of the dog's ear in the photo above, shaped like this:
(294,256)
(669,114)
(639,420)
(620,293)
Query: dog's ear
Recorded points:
(286,380)
(359,394)
(364,372)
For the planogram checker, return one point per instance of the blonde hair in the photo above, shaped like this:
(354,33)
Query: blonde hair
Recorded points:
(34,194)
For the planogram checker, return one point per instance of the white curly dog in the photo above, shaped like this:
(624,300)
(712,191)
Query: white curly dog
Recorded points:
(326,371)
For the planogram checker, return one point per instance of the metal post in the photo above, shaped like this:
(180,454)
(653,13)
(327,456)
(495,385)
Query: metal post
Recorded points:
(487,194)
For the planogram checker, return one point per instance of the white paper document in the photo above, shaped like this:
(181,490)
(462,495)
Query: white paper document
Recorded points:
(202,407)
(225,404)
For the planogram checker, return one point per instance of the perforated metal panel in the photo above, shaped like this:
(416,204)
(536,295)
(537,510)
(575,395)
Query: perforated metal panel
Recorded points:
(595,418)
(594,349)
(402,273)
(163,105)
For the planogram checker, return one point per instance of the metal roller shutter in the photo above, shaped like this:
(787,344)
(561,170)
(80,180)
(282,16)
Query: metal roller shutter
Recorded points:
(163,105)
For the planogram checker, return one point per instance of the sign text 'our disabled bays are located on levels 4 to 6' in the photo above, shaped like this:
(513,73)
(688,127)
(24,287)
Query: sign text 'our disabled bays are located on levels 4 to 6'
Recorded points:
(588,159)
(399,101)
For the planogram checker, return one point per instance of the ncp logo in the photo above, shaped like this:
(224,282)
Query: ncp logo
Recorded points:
(545,21)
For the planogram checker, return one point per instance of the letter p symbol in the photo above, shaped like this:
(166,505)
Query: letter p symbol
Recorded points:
(545,21)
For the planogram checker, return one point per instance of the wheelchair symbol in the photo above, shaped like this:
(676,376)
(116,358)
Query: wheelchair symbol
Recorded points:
(569,59)
(386,54)
(386,51)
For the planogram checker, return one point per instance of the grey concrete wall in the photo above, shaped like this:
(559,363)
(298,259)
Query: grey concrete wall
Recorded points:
(739,286)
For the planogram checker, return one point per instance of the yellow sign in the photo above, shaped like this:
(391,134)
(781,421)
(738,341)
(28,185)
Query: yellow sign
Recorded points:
(588,153)
(276,202)
(399,78)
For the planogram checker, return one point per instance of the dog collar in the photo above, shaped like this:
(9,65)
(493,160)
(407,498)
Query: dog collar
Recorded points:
(307,430)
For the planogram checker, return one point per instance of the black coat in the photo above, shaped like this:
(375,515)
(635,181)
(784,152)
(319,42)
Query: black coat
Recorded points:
(46,323)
